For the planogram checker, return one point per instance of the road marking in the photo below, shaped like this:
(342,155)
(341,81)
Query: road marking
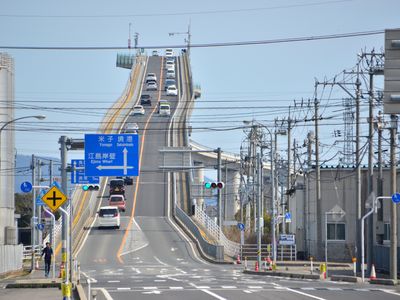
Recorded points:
(124,289)
(113,281)
(159,280)
(229,287)
(213,294)
(200,287)
(247,291)
(305,294)
(390,292)
(150,288)
(163,263)
(308,289)
(152,292)
(105,293)
(176,288)
(334,289)
(254,287)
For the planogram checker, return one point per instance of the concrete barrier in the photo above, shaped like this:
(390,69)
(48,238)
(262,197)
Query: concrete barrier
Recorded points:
(283,274)
(383,281)
(345,278)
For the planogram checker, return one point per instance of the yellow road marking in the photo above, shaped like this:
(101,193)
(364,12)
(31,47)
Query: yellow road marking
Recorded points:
(140,163)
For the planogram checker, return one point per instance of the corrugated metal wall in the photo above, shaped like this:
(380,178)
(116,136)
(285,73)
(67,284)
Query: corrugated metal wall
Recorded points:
(10,258)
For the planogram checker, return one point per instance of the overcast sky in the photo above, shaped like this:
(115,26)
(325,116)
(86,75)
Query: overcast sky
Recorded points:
(74,88)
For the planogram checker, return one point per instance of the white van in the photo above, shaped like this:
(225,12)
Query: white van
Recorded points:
(109,216)
(165,110)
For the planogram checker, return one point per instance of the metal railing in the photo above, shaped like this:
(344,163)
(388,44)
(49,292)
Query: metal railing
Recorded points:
(230,248)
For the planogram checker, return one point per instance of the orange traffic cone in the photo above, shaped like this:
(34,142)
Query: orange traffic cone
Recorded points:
(256,266)
(373,274)
(238,260)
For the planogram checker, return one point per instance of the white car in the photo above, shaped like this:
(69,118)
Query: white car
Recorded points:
(109,216)
(170,65)
(172,91)
(170,74)
(151,77)
(155,53)
(165,110)
(151,86)
(169,52)
(138,110)
(131,128)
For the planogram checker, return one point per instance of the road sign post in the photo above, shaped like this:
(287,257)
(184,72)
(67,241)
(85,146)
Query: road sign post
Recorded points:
(111,155)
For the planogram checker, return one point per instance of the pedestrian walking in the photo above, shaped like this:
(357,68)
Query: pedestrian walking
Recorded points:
(47,252)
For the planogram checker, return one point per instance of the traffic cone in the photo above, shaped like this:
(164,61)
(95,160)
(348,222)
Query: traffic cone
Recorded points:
(238,260)
(256,266)
(373,274)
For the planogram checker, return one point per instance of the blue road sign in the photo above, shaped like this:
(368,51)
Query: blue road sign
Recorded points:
(288,217)
(111,155)
(240,226)
(78,173)
(396,198)
(26,186)
(40,226)
(39,201)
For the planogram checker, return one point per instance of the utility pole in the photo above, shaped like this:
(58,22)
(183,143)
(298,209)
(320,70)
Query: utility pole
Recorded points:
(370,226)
(33,227)
(379,126)
(393,209)
(64,232)
(358,171)
(288,181)
(307,200)
(219,194)
(317,174)
(258,208)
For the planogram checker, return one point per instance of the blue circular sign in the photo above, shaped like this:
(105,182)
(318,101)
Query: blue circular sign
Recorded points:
(240,226)
(396,198)
(26,186)
(40,226)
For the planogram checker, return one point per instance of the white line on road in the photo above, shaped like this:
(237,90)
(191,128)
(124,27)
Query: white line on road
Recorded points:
(254,287)
(159,261)
(113,281)
(213,294)
(124,289)
(305,294)
(159,280)
(176,287)
(308,289)
(390,292)
(229,287)
(150,288)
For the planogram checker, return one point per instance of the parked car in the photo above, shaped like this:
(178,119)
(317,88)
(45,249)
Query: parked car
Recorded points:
(145,100)
(151,77)
(118,201)
(172,91)
(138,110)
(131,128)
(117,187)
(151,86)
(168,82)
(170,73)
(109,216)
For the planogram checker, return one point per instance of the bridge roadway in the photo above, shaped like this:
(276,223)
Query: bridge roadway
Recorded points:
(150,258)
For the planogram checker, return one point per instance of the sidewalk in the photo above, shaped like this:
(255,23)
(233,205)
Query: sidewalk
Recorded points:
(32,286)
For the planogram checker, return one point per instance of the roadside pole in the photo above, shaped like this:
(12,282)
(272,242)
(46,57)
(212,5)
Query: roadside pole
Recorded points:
(33,227)
(219,194)
(66,287)
(393,208)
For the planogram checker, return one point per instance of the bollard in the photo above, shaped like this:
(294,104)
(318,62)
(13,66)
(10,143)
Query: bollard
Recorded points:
(354,260)
(311,265)
(245,262)
(323,270)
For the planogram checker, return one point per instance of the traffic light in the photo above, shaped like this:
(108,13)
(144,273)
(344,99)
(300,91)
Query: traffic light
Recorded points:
(214,185)
(90,187)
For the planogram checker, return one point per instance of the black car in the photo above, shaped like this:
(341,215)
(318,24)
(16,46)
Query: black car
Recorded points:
(145,100)
(117,187)
(127,180)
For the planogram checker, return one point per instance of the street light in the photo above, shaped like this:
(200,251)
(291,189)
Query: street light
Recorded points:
(39,117)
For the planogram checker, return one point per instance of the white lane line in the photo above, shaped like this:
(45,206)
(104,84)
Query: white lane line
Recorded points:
(213,294)
(176,287)
(308,289)
(160,262)
(229,287)
(305,294)
(390,292)
(159,280)
(201,287)
(124,289)
(247,291)
(150,288)
(113,281)
(254,287)
(334,289)
(362,290)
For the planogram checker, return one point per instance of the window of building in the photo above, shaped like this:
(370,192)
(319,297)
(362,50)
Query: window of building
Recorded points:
(386,232)
(336,231)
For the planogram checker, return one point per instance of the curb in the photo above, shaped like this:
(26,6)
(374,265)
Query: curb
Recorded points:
(33,285)
(281,274)
(383,281)
(345,278)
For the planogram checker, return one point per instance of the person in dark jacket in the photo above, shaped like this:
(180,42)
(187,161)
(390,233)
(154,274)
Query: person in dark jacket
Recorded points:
(47,252)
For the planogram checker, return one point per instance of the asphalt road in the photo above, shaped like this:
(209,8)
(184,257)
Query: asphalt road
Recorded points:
(149,258)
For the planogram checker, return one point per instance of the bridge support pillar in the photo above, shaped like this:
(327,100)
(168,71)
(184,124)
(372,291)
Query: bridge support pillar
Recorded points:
(232,204)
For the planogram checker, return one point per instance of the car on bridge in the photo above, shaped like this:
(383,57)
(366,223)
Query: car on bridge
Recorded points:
(117,187)
(169,52)
(118,201)
(151,86)
(172,91)
(168,82)
(109,216)
(145,100)
(165,110)
(138,110)
(151,77)
(170,74)
(155,53)
(131,128)
(170,65)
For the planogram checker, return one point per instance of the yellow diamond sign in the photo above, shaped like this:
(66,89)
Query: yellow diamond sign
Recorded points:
(54,198)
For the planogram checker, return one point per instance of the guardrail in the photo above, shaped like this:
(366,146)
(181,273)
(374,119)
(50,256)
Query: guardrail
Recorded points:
(10,258)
